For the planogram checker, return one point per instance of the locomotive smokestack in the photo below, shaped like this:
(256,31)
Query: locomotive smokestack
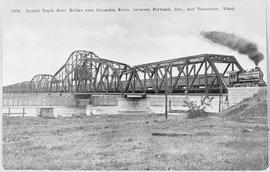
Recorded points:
(241,45)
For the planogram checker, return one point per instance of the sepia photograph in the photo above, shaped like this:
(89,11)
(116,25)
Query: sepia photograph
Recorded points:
(134,85)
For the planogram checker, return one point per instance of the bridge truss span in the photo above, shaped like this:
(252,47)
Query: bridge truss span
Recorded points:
(41,83)
(194,74)
(85,72)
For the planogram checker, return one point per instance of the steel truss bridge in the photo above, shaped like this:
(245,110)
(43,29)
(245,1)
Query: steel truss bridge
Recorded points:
(85,72)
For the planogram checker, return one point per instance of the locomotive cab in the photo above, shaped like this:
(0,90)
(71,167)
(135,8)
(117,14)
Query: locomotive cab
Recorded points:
(233,76)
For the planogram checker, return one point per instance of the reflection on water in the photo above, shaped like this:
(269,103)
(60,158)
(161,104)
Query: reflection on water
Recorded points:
(33,110)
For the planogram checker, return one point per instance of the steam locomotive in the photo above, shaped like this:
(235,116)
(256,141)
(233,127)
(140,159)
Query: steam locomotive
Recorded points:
(246,78)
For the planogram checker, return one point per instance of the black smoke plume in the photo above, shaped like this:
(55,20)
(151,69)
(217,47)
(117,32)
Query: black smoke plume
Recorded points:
(242,45)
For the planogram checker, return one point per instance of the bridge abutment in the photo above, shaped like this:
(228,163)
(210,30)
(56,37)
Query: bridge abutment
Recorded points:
(237,94)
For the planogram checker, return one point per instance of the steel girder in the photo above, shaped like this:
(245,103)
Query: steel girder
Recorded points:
(41,83)
(85,72)
(194,74)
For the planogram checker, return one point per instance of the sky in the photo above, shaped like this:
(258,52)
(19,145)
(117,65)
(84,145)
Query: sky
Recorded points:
(40,43)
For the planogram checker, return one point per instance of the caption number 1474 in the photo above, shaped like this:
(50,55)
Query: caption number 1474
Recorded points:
(15,10)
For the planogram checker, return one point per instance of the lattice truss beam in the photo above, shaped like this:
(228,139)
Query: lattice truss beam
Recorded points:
(41,83)
(194,74)
(85,72)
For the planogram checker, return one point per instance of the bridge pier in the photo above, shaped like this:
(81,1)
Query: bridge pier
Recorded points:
(133,105)
(151,104)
